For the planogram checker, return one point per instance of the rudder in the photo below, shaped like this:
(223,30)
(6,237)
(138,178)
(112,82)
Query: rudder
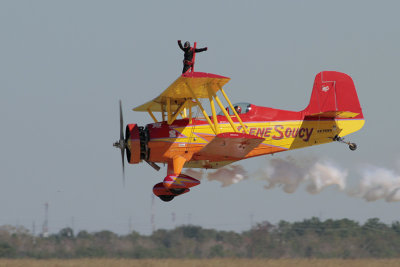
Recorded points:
(333,92)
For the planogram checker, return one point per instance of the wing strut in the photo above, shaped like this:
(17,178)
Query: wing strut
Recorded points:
(152,115)
(234,111)
(178,98)
(201,108)
(169,109)
(179,111)
(214,114)
(225,113)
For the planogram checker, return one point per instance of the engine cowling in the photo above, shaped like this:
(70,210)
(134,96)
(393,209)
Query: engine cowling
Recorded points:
(137,138)
(132,135)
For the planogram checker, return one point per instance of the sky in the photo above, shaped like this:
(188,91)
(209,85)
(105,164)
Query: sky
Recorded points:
(64,65)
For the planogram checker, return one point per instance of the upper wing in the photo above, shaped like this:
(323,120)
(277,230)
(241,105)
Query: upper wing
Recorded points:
(187,86)
(231,145)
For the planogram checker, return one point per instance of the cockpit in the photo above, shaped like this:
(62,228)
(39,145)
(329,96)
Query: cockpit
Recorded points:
(241,108)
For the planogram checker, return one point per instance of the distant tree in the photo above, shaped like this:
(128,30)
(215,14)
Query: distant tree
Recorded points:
(83,235)
(216,251)
(7,251)
(260,243)
(396,227)
(310,238)
(105,235)
(195,232)
(66,233)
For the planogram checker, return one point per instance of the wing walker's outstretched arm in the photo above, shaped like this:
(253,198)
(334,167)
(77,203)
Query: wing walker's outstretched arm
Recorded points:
(180,45)
(201,49)
(197,50)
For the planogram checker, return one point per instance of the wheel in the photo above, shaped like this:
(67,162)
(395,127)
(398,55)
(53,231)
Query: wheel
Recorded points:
(166,198)
(352,146)
(177,191)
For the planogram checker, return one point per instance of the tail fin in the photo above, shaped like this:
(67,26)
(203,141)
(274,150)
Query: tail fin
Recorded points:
(334,95)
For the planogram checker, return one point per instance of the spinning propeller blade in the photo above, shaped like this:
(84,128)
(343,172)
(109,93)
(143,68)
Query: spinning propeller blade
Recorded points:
(121,144)
(121,122)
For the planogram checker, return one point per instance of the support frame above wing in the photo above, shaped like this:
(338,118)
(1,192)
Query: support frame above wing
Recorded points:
(185,93)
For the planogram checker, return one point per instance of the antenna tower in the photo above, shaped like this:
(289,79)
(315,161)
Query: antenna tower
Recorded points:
(45,229)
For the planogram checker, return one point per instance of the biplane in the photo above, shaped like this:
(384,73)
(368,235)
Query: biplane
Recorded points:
(184,135)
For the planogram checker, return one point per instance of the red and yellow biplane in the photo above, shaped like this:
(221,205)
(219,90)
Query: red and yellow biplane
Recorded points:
(185,136)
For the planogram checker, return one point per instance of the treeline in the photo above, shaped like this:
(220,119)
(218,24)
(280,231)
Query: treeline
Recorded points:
(311,238)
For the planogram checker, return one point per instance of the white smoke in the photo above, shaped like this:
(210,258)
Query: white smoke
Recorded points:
(317,174)
(323,174)
(378,183)
(282,172)
(290,174)
(228,175)
(375,183)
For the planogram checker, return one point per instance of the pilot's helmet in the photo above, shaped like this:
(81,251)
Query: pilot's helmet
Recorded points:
(238,109)
(248,108)
(186,45)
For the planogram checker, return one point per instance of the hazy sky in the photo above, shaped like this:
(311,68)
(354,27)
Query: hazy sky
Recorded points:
(65,64)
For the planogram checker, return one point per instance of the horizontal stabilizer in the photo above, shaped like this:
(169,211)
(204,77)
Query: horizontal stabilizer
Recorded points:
(334,115)
(231,145)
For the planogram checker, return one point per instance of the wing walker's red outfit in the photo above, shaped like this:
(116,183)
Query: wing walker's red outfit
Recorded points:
(188,56)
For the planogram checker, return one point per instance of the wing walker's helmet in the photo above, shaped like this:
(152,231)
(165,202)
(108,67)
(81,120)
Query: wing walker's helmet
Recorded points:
(186,45)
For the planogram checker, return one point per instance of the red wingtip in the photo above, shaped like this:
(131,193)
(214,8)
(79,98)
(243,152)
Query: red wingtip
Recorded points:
(202,75)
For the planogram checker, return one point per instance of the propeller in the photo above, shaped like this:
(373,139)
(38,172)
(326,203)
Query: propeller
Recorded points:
(121,143)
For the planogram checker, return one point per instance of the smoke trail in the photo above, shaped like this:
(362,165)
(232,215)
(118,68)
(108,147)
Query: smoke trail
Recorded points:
(228,175)
(324,174)
(231,174)
(282,172)
(291,174)
(378,183)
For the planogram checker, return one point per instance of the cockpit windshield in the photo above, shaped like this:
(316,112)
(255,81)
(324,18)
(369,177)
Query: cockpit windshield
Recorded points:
(241,108)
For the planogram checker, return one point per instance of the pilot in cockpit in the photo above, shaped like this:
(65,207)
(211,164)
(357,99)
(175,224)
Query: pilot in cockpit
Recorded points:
(238,109)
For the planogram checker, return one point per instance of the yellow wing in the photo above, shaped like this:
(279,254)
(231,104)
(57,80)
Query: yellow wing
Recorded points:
(186,87)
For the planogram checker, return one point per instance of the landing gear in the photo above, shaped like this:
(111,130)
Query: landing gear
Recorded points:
(174,191)
(167,195)
(352,146)
(166,198)
(177,191)
(173,186)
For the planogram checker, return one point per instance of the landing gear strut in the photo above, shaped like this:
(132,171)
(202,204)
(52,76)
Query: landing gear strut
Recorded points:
(352,146)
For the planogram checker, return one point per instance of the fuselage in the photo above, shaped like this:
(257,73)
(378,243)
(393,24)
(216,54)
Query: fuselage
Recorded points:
(282,130)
